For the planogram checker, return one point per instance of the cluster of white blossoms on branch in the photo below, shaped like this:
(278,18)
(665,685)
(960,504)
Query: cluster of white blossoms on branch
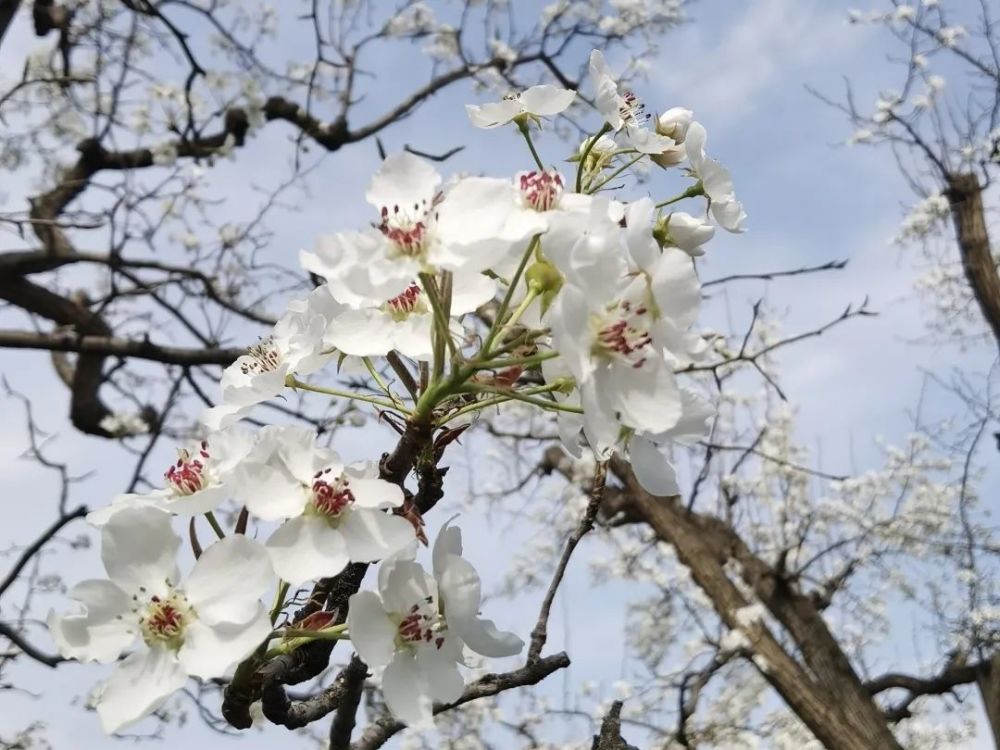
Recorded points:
(541,288)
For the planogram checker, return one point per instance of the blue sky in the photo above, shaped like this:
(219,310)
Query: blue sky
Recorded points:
(742,67)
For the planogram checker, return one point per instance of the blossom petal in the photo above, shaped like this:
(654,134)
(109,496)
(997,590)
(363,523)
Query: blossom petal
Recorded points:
(139,550)
(375,493)
(444,681)
(373,535)
(198,502)
(405,584)
(647,398)
(461,591)
(270,493)
(448,542)
(494,114)
(546,100)
(100,633)
(411,337)
(306,548)
(228,580)
(471,291)
(372,632)
(362,333)
(730,215)
(210,650)
(607,97)
(401,181)
(654,472)
(406,692)
(140,685)
(119,503)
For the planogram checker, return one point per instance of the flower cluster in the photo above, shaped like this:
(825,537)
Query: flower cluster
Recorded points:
(540,288)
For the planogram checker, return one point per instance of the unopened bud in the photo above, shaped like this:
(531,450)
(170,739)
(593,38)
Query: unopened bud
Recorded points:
(545,281)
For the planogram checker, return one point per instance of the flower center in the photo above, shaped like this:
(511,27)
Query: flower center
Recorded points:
(189,475)
(407,232)
(623,333)
(164,620)
(541,190)
(403,305)
(422,624)
(328,498)
(261,357)
(631,109)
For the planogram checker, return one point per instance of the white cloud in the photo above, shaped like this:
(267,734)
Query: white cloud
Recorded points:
(726,65)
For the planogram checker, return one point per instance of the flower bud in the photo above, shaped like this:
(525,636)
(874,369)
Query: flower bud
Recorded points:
(673,124)
(544,280)
(683,231)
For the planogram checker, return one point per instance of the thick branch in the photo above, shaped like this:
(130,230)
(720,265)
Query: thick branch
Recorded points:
(68,341)
(966,196)
(378,734)
(610,736)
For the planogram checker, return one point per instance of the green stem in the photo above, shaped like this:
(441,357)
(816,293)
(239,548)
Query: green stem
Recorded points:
(514,317)
(692,192)
(279,600)
(294,638)
(440,325)
(509,395)
(497,364)
(215,525)
(605,128)
(610,177)
(381,383)
(292,382)
(523,127)
(511,287)
(333,633)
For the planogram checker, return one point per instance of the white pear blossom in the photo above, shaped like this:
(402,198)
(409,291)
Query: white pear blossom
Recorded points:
(295,346)
(335,513)
(610,339)
(673,124)
(716,181)
(623,111)
(416,626)
(621,329)
(532,103)
(684,231)
(467,229)
(201,626)
(202,477)
(405,322)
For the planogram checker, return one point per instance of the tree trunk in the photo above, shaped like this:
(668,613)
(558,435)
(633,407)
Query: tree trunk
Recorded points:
(8,9)
(988,681)
(966,197)
(826,693)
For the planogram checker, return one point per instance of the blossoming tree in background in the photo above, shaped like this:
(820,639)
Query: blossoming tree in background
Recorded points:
(545,317)
(942,123)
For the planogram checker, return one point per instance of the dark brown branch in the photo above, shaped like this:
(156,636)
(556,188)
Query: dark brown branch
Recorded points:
(378,733)
(833,265)
(32,549)
(12,635)
(347,710)
(610,735)
(540,632)
(966,197)
(68,341)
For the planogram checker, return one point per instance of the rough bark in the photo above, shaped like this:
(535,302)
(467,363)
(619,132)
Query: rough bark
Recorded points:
(816,680)
(826,700)
(966,196)
(8,9)
(988,681)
